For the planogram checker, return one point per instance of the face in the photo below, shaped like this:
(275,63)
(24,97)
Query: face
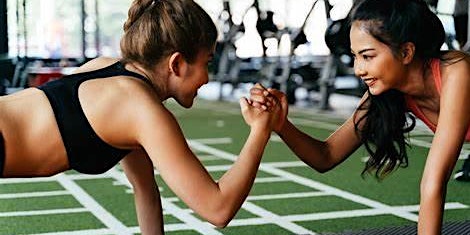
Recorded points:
(374,61)
(195,75)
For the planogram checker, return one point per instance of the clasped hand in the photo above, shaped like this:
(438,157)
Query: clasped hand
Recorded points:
(266,107)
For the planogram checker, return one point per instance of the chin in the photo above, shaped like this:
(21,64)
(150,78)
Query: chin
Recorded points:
(186,104)
(376,91)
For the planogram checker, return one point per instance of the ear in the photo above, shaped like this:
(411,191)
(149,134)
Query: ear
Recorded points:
(407,52)
(176,64)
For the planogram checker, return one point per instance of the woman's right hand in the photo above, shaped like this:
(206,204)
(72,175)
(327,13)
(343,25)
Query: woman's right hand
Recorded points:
(265,99)
(256,117)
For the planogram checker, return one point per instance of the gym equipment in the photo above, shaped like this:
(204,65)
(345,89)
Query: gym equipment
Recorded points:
(289,72)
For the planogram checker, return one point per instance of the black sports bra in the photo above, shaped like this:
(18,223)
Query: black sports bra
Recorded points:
(87,152)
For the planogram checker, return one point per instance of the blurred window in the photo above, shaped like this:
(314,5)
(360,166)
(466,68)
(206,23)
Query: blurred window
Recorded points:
(45,28)
(53,28)
(110,22)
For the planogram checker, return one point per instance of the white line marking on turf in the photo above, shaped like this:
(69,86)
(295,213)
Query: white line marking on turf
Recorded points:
(33,194)
(207,158)
(275,219)
(447,206)
(93,206)
(313,184)
(363,212)
(186,217)
(286,196)
(182,226)
(269,179)
(272,196)
(285,164)
(43,212)
(316,124)
(227,167)
(269,216)
(224,140)
(248,221)
(167,228)
(49,179)
(26,180)
(332,215)
(168,206)
(340,193)
(261,221)
(103,231)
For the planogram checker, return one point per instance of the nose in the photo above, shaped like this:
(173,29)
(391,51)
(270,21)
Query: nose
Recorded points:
(359,69)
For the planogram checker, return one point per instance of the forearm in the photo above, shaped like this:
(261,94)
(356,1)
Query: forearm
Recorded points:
(431,210)
(236,183)
(310,150)
(149,211)
(139,171)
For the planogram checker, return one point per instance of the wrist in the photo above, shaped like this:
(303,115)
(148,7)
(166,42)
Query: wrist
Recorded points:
(260,129)
(283,128)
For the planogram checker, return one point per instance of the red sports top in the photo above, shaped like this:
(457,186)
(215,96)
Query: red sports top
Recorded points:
(413,107)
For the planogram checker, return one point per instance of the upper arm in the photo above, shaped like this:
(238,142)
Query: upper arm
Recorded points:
(453,122)
(159,134)
(138,169)
(345,140)
(324,155)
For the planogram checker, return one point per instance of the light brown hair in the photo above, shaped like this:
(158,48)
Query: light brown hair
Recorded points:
(155,29)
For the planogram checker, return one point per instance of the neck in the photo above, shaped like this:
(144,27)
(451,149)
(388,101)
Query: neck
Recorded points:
(418,81)
(154,77)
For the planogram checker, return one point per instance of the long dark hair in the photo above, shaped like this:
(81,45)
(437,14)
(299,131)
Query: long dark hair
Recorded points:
(386,120)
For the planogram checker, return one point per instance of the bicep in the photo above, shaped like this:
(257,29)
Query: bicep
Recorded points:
(161,137)
(343,142)
(346,139)
(138,168)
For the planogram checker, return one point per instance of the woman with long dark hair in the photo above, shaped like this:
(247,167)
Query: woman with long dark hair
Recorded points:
(396,47)
(111,110)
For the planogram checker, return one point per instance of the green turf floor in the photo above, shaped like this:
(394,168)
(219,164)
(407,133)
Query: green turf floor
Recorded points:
(287,198)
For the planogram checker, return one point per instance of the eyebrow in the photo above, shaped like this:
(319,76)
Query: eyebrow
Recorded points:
(363,50)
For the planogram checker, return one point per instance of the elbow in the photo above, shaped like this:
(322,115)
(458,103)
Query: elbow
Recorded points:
(323,161)
(220,223)
(221,219)
(220,214)
(324,166)
(322,170)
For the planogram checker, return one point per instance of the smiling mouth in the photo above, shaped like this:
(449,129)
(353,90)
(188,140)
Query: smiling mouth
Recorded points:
(369,81)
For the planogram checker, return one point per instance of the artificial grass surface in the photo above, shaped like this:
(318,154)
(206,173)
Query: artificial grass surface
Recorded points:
(223,120)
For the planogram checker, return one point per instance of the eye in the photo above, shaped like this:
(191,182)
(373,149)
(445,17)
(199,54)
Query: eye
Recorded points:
(366,57)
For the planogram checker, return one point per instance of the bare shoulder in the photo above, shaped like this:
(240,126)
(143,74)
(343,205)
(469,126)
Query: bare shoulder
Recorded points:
(149,114)
(96,64)
(455,75)
(122,110)
(455,66)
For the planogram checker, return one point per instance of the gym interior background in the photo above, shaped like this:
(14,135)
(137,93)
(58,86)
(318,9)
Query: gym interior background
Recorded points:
(280,43)
(305,54)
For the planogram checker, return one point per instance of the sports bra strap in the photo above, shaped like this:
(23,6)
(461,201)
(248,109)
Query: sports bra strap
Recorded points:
(124,71)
